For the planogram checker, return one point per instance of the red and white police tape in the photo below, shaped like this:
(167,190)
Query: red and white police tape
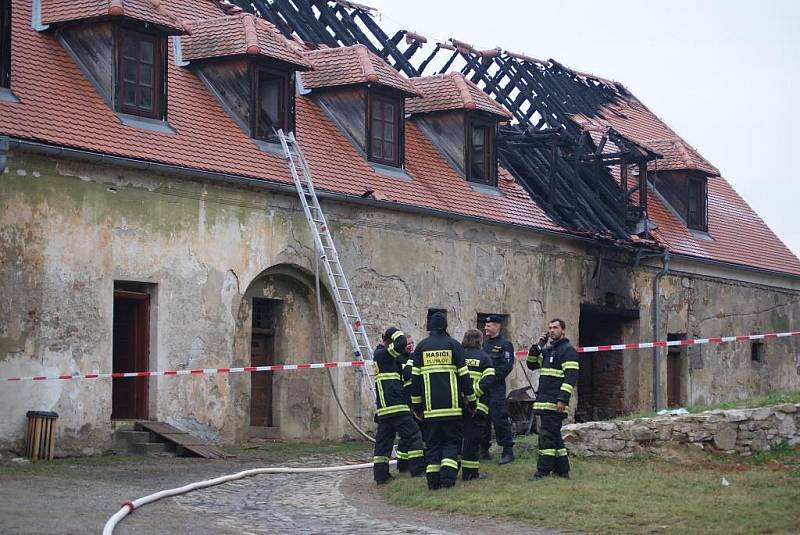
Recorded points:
(356,363)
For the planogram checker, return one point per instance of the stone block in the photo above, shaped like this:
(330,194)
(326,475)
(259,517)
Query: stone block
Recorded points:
(641,433)
(787,428)
(725,438)
(736,416)
(611,445)
(787,408)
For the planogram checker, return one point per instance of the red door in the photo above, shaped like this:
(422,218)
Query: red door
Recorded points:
(261,354)
(130,354)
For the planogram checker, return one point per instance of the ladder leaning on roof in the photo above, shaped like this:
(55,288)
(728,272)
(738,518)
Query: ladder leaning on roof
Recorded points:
(345,304)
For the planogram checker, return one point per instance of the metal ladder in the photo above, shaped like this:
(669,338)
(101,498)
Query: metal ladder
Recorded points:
(345,304)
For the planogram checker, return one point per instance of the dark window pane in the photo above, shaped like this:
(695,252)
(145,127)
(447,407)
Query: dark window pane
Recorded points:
(145,98)
(146,75)
(129,95)
(269,105)
(5,43)
(388,151)
(129,71)
(129,49)
(383,130)
(478,153)
(147,52)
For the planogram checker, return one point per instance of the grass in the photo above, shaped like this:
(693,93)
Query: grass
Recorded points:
(61,465)
(775,398)
(639,495)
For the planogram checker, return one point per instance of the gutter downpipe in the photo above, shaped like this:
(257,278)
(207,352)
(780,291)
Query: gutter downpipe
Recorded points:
(656,328)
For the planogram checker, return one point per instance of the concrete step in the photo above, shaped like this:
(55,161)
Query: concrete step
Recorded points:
(134,437)
(150,448)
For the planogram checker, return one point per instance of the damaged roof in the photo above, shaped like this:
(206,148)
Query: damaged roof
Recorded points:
(574,104)
(207,138)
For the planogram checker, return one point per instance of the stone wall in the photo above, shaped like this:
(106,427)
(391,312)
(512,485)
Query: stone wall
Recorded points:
(741,431)
(69,230)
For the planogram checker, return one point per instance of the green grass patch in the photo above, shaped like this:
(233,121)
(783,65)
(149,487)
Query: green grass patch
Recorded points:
(775,398)
(638,495)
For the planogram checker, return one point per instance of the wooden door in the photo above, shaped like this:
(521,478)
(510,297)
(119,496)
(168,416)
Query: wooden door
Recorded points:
(261,354)
(130,354)
(674,377)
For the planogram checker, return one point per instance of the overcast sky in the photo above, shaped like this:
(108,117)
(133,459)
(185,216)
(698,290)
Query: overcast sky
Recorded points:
(724,74)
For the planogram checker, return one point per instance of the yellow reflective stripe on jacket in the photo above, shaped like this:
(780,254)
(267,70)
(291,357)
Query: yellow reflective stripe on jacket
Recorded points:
(450,463)
(410,362)
(387,376)
(396,335)
(407,383)
(426,379)
(535,359)
(438,368)
(487,372)
(470,464)
(433,468)
(462,371)
(475,374)
(548,452)
(561,452)
(477,388)
(416,371)
(570,365)
(453,392)
(381,399)
(440,413)
(483,407)
(392,410)
(402,456)
(415,454)
(568,388)
(551,372)
(392,351)
(416,400)
(544,406)
(380,459)
(470,398)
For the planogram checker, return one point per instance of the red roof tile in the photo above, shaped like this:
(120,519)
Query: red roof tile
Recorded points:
(54,11)
(352,65)
(41,66)
(233,35)
(451,91)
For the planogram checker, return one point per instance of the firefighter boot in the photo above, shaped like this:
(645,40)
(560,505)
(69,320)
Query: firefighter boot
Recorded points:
(508,455)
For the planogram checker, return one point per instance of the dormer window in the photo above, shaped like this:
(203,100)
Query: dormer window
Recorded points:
(5,43)
(384,130)
(696,204)
(271,91)
(480,157)
(141,62)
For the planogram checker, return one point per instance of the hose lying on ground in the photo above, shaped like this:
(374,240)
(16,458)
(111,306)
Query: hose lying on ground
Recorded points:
(129,507)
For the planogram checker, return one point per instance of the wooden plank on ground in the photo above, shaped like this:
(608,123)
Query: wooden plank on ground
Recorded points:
(182,440)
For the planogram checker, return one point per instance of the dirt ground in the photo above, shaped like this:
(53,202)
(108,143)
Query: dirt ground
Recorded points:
(79,497)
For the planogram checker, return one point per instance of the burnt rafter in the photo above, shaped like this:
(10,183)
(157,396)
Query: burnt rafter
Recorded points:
(577,172)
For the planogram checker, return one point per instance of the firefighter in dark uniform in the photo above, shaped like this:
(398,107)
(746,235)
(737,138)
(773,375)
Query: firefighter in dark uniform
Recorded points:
(501,351)
(440,389)
(558,374)
(483,377)
(393,413)
(403,447)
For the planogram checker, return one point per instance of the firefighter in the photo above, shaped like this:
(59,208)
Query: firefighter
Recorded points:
(483,377)
(557,362)
(403,447)
(440,389)
(393,414)
(501,352)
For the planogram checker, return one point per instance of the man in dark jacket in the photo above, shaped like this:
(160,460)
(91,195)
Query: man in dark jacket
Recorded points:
(393,414)
(559,367)
(483,377)
(501,351)
(440,388)
(403,446)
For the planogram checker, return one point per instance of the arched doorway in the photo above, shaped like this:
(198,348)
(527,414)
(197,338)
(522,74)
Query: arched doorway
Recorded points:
(281,320)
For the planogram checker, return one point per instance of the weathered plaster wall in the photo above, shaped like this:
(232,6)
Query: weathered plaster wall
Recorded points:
(68,230)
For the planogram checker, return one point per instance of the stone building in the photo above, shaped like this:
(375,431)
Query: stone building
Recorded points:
(148,221)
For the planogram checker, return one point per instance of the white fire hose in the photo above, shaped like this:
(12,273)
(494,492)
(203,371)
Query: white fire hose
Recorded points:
(129,507)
